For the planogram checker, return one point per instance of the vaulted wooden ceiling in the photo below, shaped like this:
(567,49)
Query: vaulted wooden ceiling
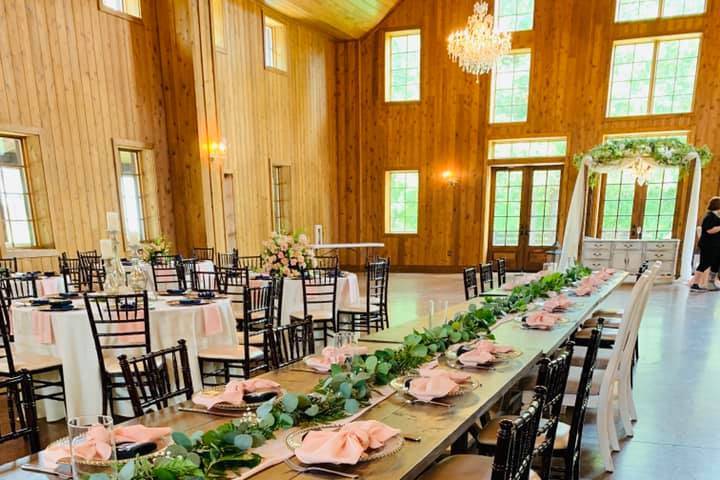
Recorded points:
(340,18)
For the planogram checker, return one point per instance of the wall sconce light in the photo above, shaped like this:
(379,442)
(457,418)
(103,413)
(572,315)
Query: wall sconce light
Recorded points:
(450,178)
(217,149)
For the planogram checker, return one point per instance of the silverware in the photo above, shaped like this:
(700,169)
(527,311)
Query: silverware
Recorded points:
(460,366)
(413,401)
(208,412)
(45,471)
(300,469)
(305,370)
(412,438)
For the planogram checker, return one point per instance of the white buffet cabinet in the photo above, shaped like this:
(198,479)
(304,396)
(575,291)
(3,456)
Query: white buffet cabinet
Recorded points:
(629,255)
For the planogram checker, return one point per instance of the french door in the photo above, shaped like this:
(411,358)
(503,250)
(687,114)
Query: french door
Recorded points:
(628,210)
(524,206)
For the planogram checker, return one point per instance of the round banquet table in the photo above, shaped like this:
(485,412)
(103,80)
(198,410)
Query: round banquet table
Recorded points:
(348,293)
(67,335)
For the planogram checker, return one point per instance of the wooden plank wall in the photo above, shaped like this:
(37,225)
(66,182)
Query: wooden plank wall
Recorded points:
(82,77)
(571,49)
(273,117)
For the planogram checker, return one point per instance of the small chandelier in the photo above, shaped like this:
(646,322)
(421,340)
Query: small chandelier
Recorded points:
(477,47)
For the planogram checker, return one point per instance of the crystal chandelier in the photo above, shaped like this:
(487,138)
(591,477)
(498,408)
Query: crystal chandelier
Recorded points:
(477,47)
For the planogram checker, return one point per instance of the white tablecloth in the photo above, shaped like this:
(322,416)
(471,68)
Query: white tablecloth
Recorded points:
(73,344)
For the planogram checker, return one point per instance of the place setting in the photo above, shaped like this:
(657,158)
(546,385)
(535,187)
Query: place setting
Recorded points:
(480,355)
(239,398)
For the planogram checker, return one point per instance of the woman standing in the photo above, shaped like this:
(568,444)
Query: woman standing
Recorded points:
(709,245)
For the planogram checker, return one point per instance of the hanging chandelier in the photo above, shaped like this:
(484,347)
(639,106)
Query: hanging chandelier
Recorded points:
(477,47)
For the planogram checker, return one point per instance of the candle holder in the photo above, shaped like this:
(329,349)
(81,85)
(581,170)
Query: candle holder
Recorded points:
(114,271)
(137,279)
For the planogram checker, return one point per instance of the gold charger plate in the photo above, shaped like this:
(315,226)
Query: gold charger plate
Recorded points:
(451,354)
(212,392)
(398,384)
(392,445)
(162,445)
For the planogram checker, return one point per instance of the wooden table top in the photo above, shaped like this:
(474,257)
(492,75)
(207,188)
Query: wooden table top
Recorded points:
(438,426)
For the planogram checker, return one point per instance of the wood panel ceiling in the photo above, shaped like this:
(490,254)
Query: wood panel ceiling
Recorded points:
(343,19)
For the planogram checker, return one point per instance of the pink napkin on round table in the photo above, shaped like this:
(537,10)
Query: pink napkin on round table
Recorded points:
(427,388)
(476,357)
(42,328)
(235,392)
(541,319)
(212,319)
(345,446)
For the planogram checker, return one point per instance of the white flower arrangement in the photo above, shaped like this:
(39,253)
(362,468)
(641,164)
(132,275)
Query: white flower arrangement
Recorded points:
(286,255)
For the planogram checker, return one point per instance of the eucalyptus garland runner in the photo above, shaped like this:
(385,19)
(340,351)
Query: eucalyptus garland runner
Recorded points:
(342,393)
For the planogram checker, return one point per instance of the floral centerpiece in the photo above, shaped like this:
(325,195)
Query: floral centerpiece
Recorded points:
(159,246)
(285,255)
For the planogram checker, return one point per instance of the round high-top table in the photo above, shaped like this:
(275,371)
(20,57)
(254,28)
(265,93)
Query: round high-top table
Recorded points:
(67,336)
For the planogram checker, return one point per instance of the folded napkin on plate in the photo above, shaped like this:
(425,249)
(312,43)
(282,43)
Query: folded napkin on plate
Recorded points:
(331,355)
(476,357)
(430,371)
(212,319)
(583,290)
(492,347)
(97,444)
(428,388)
(557,303)
(235,391)
(541,319)
(345,446)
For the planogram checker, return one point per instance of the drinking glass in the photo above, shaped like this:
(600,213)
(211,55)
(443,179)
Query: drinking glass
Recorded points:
(78,428)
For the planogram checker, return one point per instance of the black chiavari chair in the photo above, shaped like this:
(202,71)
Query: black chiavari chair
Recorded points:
(319,299)
(252,262)
(40,367)
(227,261)
(501,267)
(276,310)
(327,261)
(513,456)
(8,266)
(486,277)
(203,253)
(18,288)
(470,282)
(71,272)
(252,355)
(157,377)
(367,314)
(92,269)
(118,323)
(168,272)
(293,342)
(208,281)
(19,403)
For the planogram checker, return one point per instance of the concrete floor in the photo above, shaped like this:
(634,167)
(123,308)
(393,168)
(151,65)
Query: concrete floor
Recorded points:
(677,382)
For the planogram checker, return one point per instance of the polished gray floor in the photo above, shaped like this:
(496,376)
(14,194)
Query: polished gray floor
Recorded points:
(677,384)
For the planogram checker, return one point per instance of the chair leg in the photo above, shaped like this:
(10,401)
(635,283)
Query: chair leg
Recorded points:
(604,436)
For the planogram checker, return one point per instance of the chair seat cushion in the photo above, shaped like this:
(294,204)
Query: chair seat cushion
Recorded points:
(359,308)
(255,338)
(603,357)
(574,380)
(230,352)
(488,434)
(31,362)
(460,467)
(318,315)
(610,322)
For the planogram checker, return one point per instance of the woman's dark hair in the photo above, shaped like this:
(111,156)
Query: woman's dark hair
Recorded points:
(714,204)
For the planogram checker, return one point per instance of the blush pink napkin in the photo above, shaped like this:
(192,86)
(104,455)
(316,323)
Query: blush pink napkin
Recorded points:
(331,355)
(345,446)
(48,286)
(430,371)
(584,290)
(543,320)
(557,303)
(212,319)
(427,388)
(42,327)
(235,392)
(492,347)
(476,357)
(97,445)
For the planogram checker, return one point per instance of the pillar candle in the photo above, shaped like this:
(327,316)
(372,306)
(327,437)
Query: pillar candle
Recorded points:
(113,221)
(106,248)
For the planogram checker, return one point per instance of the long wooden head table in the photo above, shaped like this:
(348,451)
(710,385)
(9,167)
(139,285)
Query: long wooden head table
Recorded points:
(438,427)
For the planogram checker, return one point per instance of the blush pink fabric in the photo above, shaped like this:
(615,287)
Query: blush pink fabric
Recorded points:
(330,355)
(212,319)
(454,375)
(345,446)
(543,320)
(42,328)
(558,303)
(235,392)
(584,290)
(437,386)
(492,347)
(476,357)
(48,286)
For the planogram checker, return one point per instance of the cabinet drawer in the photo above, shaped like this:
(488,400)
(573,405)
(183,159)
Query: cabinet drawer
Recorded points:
(597,264)
(661,246)
(596,254)
(595,244)
(664,256)
(628,246)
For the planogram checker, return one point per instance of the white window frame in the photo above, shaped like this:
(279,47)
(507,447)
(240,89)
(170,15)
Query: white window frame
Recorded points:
(388,63)
(492,89)
(388,202)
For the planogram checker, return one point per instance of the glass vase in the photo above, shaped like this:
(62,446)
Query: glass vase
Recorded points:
(86,432)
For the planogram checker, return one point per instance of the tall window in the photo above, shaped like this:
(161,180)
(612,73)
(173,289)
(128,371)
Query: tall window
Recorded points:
(634,211)
(274,44)
(508,198)
(281,198)
(528,148)
(514,15)
(127,7)
(631,10)
(402,66)
(131,193)
(653,76)
(15,195)
(401,201)
(510,88)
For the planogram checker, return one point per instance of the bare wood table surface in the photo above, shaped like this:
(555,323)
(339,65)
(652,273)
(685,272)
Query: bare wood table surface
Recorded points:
(438,426)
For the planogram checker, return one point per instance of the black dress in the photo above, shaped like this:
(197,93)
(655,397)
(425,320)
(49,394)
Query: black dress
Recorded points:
(709,244)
